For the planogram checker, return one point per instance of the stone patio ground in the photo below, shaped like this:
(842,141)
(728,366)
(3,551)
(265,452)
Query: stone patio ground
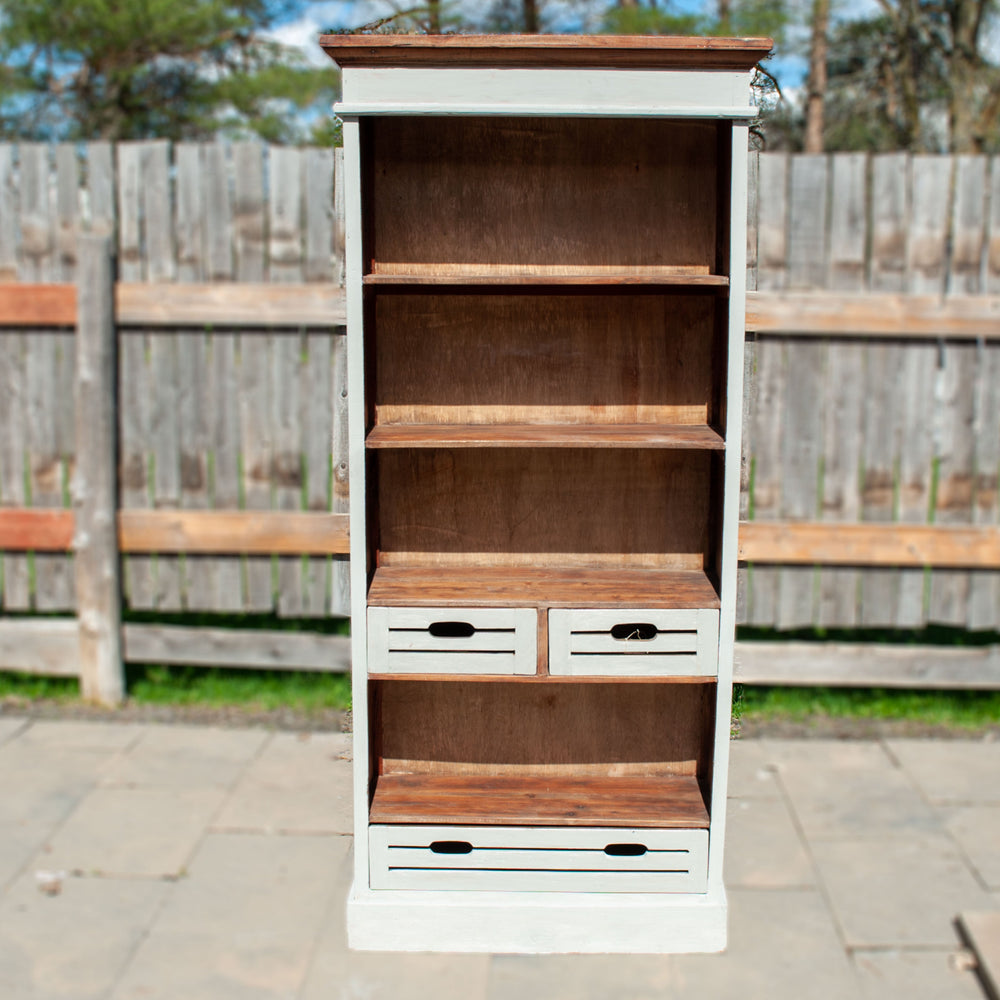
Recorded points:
(146,861)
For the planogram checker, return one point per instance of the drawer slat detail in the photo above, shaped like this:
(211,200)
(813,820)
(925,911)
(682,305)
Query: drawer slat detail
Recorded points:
(633,642)
(538,859)
(452,640)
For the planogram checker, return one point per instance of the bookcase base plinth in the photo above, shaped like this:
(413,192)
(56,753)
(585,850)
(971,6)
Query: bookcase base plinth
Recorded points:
(535,922)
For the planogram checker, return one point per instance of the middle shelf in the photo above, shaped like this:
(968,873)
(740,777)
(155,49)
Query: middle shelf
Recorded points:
(520,435)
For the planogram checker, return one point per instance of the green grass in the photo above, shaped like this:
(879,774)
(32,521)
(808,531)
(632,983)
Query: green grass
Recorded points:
(955,709)
(304,691)
(261,689)
(28,686)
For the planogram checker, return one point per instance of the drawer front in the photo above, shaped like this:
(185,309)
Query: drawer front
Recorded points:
(533,859)
(452,640)
(633,643)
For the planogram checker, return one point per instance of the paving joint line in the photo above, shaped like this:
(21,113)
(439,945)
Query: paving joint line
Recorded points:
(821,885)
(182,875)
(938,812)
(323,923)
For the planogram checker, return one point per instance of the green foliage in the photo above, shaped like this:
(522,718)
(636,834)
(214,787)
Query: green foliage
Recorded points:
(135,69)
(731,17)
(260,689)
(955,709)
(18,687)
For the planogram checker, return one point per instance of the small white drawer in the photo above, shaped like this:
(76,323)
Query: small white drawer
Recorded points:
(533,859)
(452,640)
(633,643)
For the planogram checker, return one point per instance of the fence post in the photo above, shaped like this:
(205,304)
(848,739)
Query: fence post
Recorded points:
(98,589)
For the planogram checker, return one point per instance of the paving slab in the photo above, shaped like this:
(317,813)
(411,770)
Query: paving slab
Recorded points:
(898,892)
(72,735)
(581,977)
(952,771)
(73,945)
(185,757)
(39,788)
(916,975)
(338,973)
(300,783)
(977,831)
(851,790)
(752,772)
(10,727)
(763,848)
(782,943)
(243,925)
(133,831)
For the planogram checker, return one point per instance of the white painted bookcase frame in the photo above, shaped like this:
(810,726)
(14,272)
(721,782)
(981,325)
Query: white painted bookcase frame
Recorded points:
(541,76)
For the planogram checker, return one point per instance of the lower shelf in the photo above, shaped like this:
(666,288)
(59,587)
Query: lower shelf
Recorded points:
(660,802)
(522,586)
(538,859)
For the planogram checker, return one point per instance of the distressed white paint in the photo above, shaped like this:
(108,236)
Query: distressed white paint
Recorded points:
(538,859)
(356,458)
(477,919)
(581,643)
(504,641)
(731,499)
(518,91)
(536,922)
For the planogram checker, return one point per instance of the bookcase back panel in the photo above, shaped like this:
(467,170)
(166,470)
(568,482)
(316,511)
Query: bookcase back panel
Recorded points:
(544,191)
(474,359)
(615,730)
(554,507)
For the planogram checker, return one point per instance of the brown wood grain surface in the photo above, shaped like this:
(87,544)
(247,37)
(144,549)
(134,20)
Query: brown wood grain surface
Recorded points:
(623,51)
(514,358)
(558,507)
(504,729)
(676,436)
(532,587)
(663,802)
(621,186)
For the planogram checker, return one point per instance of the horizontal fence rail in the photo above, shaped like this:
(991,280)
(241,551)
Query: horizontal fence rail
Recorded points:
(872,428)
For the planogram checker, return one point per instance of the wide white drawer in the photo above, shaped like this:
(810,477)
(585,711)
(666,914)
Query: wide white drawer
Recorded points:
(452,640)
(634,642)
(514,858)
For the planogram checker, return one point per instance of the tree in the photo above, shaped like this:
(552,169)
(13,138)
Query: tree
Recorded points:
(132,69)
(817,77)
(918,76)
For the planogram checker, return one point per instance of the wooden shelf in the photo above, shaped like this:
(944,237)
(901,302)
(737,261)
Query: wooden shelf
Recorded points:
(516,586)
(695,276)
(661,802)
(547,678)
(696,436)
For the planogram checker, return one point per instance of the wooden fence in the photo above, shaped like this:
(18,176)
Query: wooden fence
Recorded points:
(872,435)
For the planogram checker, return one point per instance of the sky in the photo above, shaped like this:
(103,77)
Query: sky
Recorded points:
(314,17)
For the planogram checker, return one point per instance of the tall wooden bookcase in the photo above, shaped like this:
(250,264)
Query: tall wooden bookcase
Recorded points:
(545,298)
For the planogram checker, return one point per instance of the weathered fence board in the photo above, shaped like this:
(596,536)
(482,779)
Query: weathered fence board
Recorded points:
(842,388)
(874,381)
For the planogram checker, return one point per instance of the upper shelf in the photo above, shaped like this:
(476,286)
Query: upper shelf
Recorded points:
(682,436)
(526,275)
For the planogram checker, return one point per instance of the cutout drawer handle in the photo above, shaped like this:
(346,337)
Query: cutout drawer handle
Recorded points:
(625,850)
(634,630)
(451,847)
(451,630)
